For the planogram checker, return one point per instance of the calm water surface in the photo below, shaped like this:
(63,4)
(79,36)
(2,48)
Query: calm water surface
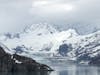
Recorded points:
(65,69)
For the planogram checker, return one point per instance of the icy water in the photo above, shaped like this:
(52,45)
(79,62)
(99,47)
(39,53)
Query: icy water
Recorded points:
(65,69)
(76,69)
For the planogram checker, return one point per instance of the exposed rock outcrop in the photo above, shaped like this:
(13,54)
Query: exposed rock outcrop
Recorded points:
(16,63)
(63,49)
(95,61)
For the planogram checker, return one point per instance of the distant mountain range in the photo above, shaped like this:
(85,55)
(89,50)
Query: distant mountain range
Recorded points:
(43,40)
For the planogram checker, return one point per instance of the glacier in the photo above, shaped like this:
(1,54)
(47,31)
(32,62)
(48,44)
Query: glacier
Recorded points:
(41,41)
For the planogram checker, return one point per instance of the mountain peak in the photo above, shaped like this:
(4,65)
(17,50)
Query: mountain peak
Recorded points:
(72,31)
(43,27)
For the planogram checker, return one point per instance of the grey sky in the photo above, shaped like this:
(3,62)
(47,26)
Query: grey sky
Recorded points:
(83,15)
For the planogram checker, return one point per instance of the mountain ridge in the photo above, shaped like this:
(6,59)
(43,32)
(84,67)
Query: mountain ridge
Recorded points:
(45,39)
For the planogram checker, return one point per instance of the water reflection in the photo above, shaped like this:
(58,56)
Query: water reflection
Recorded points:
(78,70)
(26,73)
(64,70)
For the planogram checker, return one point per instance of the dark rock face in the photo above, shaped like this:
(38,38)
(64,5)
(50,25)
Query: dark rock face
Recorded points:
(63,49)
(95,61)
(16,63)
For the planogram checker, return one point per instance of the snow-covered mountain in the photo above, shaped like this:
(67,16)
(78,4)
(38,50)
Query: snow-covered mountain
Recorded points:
(43,40)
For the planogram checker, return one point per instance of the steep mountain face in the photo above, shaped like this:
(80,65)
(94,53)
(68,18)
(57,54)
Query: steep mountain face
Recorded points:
(16,63)
(86,47)
(45,41)
(34,37)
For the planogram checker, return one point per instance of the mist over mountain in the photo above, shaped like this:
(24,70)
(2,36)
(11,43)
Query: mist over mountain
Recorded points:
(82,15)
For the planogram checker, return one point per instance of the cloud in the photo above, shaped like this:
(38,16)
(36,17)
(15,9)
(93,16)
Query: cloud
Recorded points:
(49,10)
(80,14)
(84,10)
(46,5)
(16,14)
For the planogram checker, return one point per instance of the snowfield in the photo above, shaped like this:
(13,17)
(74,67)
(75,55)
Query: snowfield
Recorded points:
(44,41)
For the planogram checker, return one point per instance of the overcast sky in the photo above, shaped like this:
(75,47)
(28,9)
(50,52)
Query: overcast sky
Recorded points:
(83,15)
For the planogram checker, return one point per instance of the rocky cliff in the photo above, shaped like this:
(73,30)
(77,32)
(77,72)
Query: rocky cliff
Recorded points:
(16,63)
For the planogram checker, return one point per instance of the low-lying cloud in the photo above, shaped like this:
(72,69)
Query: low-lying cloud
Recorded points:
(16,14)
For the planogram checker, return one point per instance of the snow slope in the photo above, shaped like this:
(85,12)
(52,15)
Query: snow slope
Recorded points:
(43,40)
